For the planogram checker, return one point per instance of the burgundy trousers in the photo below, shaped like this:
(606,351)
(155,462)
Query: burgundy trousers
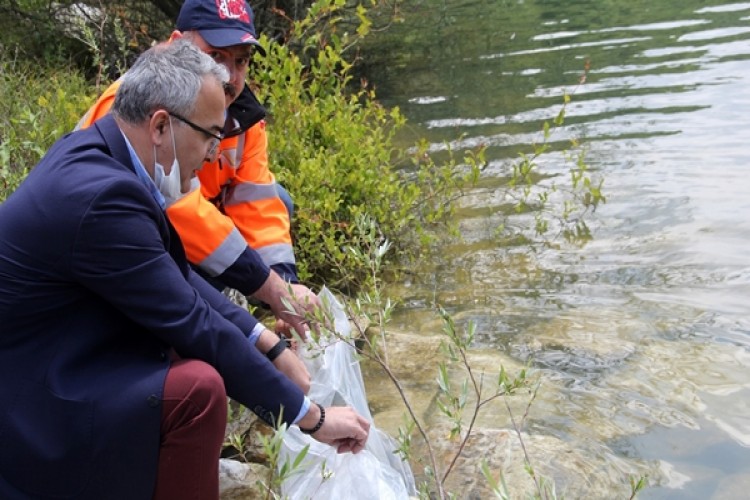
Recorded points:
(194,417)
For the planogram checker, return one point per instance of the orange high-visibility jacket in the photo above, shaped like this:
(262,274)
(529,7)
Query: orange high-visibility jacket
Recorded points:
(236,222)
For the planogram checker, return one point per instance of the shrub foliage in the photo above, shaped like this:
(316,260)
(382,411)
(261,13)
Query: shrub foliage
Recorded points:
(37,106)
(333,147)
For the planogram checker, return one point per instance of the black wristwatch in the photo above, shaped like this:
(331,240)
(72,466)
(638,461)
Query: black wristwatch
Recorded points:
(276,350)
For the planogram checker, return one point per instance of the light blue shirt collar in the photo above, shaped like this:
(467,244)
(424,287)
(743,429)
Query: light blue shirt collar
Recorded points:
(142,174)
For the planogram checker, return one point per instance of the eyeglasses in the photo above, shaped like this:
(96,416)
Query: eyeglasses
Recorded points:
(215,138)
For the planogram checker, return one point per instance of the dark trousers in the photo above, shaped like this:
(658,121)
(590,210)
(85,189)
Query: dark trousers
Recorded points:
(194,417)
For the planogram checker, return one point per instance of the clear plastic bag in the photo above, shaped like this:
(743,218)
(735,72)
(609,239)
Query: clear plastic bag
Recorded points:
(374,473)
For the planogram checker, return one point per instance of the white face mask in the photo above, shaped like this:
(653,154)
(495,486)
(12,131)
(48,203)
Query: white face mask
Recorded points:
(194,184)
(169,185)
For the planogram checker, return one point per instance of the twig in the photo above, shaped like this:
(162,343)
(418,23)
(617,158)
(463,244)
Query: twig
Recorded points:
(520,438)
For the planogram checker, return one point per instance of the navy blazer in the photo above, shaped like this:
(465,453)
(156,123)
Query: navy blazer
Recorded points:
(94,290)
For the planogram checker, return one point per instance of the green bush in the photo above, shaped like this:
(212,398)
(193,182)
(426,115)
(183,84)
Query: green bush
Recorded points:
(332,147)
(37,106)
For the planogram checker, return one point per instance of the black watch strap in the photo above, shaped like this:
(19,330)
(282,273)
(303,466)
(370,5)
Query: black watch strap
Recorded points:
(276,350)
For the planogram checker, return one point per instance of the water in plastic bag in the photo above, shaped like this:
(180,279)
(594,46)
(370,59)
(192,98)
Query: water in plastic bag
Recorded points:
(376,472)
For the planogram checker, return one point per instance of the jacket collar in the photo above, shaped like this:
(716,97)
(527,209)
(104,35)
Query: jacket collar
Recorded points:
(243,113)
(107,127)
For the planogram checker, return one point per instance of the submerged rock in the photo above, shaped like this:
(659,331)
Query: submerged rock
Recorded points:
(593,471)
(556,466)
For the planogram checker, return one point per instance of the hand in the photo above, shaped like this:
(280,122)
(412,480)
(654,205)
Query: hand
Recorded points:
(305,297)
(275,292)
(282,328)
(343,428)
(305,302)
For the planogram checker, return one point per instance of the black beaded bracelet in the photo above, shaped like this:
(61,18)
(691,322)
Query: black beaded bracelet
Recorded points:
(318,425)
(276,350)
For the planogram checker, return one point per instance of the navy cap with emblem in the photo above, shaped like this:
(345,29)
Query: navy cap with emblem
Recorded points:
(221,23)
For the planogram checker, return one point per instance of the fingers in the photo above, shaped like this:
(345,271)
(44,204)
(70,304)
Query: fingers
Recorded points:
(299,326)
(283,328)
(305,304)
(308,303)
(349,446)
(344,429)
(305,297)
(280,296)
(286,327)
(293,346)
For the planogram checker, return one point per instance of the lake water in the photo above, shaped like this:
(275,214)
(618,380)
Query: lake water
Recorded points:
(641,336)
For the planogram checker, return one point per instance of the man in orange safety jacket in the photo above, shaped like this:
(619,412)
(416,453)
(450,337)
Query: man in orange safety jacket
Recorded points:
(235,227)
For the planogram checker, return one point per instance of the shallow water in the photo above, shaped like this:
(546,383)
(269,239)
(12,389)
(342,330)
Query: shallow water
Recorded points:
(642,336)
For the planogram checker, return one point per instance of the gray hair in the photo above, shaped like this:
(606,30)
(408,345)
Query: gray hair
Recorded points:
(167,76)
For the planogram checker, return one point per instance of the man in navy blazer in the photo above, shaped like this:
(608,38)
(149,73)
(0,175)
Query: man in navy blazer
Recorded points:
(115,357)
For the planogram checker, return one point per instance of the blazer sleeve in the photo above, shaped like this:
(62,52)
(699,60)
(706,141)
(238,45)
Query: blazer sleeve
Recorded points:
(213,243)
(120,253)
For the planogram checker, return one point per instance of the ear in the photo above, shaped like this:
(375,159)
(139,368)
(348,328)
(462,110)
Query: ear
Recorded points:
(157,126)
(176,35)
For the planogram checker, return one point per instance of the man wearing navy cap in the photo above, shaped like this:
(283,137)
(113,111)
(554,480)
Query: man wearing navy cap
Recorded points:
(236,227)
(224,24)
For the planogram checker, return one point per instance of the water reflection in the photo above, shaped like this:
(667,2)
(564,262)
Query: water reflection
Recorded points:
(643,335)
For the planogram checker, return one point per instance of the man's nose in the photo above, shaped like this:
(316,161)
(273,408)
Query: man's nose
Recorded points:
(235,73)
